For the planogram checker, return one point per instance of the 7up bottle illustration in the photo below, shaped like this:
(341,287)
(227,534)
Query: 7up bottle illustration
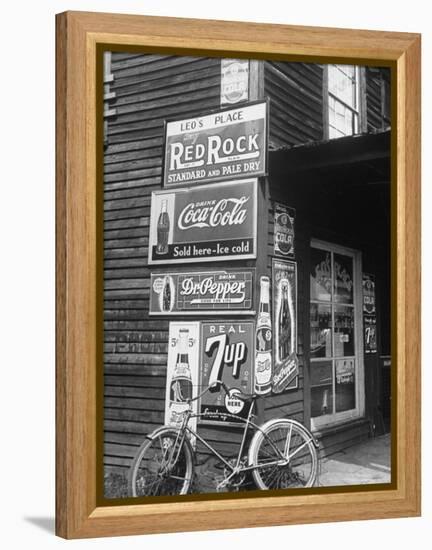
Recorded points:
(263,348)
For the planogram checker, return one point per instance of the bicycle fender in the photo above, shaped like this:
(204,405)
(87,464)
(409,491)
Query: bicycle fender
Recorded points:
(157,431)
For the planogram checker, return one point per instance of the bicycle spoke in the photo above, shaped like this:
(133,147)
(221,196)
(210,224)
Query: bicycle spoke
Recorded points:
(164,467)
(284,458)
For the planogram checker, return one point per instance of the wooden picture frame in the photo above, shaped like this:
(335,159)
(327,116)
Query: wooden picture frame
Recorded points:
(78,300)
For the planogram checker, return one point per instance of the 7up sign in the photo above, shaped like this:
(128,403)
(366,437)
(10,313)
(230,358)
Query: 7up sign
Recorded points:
(227,355)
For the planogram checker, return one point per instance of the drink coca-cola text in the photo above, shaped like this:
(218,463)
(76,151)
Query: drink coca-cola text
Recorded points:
(214,213)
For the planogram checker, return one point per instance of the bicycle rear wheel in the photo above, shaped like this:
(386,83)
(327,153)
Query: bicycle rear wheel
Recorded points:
(163,465)
(284,456)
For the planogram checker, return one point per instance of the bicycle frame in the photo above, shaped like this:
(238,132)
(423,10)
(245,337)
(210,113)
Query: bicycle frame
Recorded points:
(186,431)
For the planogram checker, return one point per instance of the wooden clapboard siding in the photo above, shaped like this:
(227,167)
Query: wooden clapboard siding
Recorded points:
(289,404)
(149,89)
(296,102)
(375,92)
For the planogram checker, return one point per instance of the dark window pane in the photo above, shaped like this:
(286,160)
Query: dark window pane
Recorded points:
(344,331)
(320,323)
(321,401)
(343,279)
(321,388)
(345,385)
(321,373)
(320,276)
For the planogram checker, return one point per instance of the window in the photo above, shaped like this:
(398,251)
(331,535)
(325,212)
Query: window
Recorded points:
(343,84)
(336,366)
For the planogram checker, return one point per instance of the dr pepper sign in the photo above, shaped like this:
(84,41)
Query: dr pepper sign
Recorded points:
(223,145)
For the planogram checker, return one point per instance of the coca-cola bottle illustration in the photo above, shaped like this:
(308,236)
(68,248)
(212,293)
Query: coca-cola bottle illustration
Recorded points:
(163,227)
(263,354)
(284,323)
(181,381)
(166,304)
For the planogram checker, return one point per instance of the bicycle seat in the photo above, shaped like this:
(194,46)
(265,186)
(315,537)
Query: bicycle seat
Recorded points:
(246,396)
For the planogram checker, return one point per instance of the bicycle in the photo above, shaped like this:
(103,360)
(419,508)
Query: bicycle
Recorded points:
(282,454)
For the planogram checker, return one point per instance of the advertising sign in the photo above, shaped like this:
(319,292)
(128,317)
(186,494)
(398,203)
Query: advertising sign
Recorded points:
(369,305)
(369,314)
(370,335)
(263,341)
(345,371)
(202,292)
(285,365)
(205,223)
(182,371)
(227,354)
(284,218)
(223,145)
(234,81)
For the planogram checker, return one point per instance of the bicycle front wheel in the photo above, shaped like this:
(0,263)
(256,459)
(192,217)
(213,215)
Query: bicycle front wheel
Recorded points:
(163,465)
(284,456)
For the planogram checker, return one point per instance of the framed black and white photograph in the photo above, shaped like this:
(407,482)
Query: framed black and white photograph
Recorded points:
(170,199)
(246,276)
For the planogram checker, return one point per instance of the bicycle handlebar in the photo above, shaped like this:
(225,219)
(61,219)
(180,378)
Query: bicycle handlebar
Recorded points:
(240,394)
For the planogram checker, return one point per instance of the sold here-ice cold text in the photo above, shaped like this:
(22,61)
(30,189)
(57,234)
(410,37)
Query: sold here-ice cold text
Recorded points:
(216,146)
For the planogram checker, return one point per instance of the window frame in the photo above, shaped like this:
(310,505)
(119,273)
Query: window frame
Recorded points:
(360,101)
(335,418)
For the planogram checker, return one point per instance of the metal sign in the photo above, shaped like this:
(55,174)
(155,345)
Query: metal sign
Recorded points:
(370,333)
(182,371)
(205,223)
(285,364)
(223,145)
(202,292)
(234,81)
(284,232)
(369,314)
(227,354)
(369,305)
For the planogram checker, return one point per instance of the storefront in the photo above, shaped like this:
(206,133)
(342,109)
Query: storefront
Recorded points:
(313,266)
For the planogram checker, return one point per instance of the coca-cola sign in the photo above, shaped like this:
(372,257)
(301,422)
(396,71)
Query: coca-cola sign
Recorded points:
(202,292)
(285,361)
(284,219)
(204,223)
(223,145)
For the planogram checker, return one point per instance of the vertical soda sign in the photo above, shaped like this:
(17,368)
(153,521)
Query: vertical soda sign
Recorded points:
(285,324)
(284,289)
(263,346)
(182,371)
(284,219)
(181,382)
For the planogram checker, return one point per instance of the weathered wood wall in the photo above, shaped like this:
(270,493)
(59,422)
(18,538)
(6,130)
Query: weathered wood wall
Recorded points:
(291,403)
(377,98)
(296,102)
(149,89)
